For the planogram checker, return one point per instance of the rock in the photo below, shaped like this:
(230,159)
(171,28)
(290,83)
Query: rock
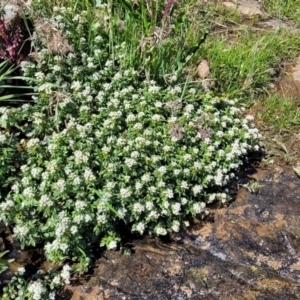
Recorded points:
(289,85)
(250,250)
(279,24)
(203,69)
(245,7)
(296,70)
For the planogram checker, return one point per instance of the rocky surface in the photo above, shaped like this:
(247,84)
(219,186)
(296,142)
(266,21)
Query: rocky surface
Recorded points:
(245,7)
(289,85)
(249,250)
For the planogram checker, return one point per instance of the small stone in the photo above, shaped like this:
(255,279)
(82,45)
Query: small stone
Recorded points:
(203,69)
(245,7)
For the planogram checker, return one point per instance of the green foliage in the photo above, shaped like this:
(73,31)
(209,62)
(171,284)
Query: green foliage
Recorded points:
(106,147)
(42,288)
(7,75)
(158,36)
(246,64)
(284,9)
(11,155)
(280,113)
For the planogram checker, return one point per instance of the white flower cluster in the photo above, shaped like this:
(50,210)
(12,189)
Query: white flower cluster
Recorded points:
(120,149)
(37,289)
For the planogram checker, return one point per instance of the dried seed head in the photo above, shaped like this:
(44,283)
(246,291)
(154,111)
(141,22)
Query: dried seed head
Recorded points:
(52,37)
(175,106)
(168,6)
(176,131)
(203,133)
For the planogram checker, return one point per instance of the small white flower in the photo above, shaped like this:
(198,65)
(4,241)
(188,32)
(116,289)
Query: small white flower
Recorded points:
(156,117)
(175,226)
(184,185)
(161,184)
(112,245)
(176,207)
(61,185)
(21,271)
(129,162)
(140,227)
(28,192)
(37,289)
(80,205)
(76,85)
(153,89)
(125,192)
(57,68)
(189,108)
(45,201)
(249,118)
(160,231)
(198,207)
(166,148)
(169,193)
(130,118)
(81,157)
(76,180)
(184,201)
(186,171)
(21,231)
(146,177)
(137,207)
(88,175)
(138,126)
(187,157)
(176,172)
(74,229)
(158,104)
(52,295)
(149,205)
(197,189)
(65,274)
(33,143)
(162,170)
(35,172)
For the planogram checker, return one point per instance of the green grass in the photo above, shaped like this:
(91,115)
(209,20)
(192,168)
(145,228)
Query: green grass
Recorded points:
(243,64)
(284,9)
(219,14)
(279,113)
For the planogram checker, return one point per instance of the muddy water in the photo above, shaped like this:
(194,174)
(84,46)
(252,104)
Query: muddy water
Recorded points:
(249,250)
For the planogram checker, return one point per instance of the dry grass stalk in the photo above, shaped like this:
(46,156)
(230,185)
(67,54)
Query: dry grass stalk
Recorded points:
(175,106)
(52,37)
(57,97)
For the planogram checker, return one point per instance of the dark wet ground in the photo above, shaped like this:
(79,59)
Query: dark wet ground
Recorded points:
(249,250)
